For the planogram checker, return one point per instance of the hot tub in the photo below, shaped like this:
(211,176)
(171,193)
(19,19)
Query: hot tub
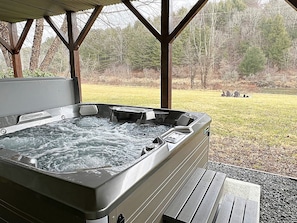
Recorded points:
(133,190)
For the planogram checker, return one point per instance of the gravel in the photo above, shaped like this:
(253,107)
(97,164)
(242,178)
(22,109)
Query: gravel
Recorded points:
(278,201)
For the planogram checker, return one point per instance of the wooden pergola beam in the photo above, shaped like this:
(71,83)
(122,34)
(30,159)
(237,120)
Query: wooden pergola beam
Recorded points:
(23,36)
(166,38)
(6,45)
(185,21)
(16,57)
(16,44)
(166,53)
(88,26)
(79,39)
(72,41)
(143,20)
(293,3)
(57,30)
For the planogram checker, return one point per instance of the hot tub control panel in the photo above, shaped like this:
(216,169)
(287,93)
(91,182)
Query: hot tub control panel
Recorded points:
(174,137)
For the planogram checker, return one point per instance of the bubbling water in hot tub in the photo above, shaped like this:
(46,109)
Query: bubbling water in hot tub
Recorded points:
(82,143)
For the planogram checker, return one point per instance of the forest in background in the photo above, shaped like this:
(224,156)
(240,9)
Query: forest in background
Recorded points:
(231,43)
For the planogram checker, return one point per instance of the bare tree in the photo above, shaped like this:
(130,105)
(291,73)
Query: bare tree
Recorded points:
(4,34)
(203,44)
(34,60)
(53,49)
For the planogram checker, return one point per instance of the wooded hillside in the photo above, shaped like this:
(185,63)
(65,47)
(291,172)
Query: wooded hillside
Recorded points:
(228,41)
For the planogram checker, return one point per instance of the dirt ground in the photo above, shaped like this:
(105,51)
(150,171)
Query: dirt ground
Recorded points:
(248,154)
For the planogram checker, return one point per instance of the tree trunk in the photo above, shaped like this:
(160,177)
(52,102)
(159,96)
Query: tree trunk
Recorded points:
(53,49)
(192,75)
(204,82)
(36,45)
(4,34)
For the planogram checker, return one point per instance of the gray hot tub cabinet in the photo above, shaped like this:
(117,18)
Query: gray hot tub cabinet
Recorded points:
(139,193)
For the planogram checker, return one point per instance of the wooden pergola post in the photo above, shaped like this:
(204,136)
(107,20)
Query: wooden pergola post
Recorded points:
(166,39)
(74,54)
(166,57)
(15,44)
(73,41)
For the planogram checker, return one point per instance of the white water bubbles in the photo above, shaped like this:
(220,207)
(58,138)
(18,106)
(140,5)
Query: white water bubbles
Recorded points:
(82,143)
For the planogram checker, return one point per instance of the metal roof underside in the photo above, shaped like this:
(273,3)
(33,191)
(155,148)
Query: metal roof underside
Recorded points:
(21,10)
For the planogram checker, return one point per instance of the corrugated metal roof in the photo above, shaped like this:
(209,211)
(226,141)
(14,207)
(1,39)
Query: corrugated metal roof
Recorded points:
(21,10)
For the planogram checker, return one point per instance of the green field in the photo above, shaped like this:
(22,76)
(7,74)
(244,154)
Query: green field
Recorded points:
(264,124)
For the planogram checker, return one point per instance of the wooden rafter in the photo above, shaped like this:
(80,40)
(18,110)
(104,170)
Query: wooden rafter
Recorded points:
(6,45)
(166,49)
(88,26)
(57,30)
(293,3)
(166,38)
(15,44)
(23,36)
(72,41)
(147,24)
(185,21)
(79,39)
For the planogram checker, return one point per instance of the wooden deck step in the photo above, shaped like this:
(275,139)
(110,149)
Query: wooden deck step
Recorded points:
(237,210)
(198,199)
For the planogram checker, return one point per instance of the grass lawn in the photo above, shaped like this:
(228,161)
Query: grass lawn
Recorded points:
(245,131)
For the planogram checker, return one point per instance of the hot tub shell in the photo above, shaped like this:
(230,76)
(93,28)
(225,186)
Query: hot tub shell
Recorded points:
(139,193)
